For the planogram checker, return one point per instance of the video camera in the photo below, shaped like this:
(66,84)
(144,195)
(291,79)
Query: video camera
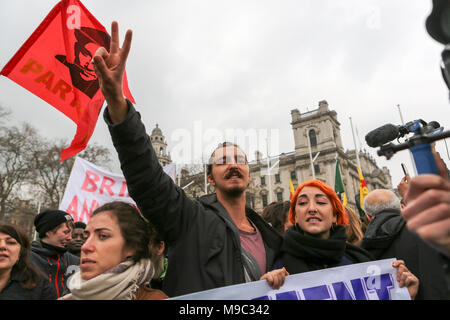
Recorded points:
(438,27)
(419,144)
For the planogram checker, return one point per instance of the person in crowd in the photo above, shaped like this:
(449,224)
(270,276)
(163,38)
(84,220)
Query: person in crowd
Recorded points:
(364,222)
(427,211)
(276,214)
(115,259)
(158,255)
(354,227)
(318,238)
(388,237)
(19,279)
(49,253)
(214,241)
(74,246)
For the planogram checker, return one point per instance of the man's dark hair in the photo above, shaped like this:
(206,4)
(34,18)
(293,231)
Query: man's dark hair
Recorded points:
(133,227)
(220,146)
(79,225)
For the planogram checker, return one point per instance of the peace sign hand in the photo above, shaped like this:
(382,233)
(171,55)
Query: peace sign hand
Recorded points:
(110,68)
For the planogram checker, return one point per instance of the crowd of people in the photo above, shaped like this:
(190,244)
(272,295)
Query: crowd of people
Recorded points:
(174,245)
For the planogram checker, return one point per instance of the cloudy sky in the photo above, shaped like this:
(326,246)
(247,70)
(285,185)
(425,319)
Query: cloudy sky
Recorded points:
(211,66)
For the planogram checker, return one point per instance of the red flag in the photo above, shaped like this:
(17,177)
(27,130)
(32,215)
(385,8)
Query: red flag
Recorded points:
(55,64)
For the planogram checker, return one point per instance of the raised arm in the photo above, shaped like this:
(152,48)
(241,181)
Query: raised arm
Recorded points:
(155,193)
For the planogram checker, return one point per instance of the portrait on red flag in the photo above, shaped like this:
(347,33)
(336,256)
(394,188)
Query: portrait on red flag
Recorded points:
(88,40)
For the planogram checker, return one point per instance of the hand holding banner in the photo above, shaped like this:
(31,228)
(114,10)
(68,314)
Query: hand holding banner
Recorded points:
(375,280)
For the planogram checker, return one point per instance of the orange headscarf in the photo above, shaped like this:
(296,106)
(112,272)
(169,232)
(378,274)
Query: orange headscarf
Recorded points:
(338,208)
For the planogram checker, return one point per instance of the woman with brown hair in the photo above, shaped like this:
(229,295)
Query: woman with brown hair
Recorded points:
(19,279)
(276,214)
(115,259)
(354,227)
(318,239)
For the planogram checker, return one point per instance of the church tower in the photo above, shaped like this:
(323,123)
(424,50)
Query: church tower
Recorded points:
(159,144)
(319,131)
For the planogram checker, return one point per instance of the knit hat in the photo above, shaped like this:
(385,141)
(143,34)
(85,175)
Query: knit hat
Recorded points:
(50,219)
(338,208)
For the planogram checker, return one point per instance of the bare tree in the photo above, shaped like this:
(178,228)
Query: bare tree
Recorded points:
(4,114)
(50,175)
(30,165)
(15,157)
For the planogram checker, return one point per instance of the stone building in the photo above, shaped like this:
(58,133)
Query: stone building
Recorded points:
(159,144)
(319,131)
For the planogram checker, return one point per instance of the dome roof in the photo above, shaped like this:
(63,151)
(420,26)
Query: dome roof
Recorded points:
(157,131)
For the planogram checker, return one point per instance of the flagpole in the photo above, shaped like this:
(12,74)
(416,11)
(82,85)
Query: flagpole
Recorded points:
(268,172)
(310,156)
(354,142)
(336,160)
(179,178)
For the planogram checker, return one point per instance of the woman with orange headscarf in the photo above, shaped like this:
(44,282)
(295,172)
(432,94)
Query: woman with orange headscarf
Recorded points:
(318,238)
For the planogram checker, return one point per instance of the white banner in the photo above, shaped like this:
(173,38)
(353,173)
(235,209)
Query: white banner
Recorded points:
(375,280)
(91,186)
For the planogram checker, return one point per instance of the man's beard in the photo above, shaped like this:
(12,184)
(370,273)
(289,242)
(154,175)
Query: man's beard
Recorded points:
(234,192)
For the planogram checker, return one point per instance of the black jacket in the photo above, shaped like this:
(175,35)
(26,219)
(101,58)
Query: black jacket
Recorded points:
(14,291)
(387,236)
(55,263)
(304,253)
(205,250)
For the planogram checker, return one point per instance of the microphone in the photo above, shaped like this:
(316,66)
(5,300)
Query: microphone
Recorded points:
(434,124)
(382,135)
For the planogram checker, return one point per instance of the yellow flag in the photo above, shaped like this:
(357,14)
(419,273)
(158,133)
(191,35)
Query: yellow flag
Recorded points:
(363,190)
(292,188)
(344,201)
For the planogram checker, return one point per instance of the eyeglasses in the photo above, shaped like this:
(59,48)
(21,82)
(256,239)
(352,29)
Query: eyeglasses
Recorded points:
(238,159)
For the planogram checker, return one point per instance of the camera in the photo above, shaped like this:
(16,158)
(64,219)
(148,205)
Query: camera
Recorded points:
(423,135)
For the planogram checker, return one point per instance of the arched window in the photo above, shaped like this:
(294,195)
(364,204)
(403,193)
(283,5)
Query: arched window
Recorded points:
(264,200)
(312,138)
(161,151)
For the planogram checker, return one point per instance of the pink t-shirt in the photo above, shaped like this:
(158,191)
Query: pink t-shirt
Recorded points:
(253,243)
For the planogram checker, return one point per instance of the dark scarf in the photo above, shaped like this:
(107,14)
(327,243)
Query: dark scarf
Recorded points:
(303,252)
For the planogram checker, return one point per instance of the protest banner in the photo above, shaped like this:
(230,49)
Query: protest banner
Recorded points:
(55,64)
(375,280)
(90,186)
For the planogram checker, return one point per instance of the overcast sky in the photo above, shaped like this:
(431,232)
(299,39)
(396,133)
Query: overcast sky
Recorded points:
(245,64)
